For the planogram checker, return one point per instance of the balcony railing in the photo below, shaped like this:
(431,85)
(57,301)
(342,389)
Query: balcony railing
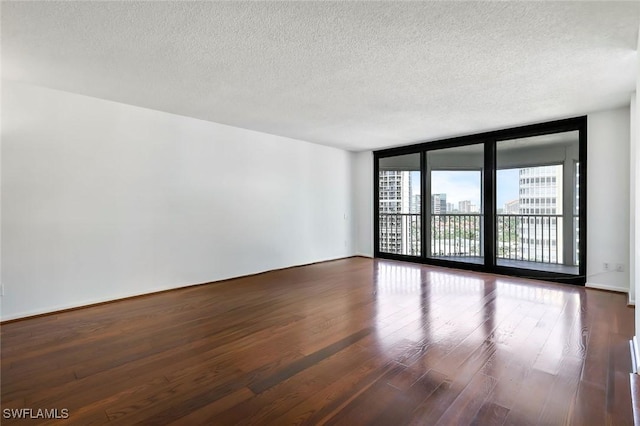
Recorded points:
(456,234)
(531,238)
(400,233)
(534,238)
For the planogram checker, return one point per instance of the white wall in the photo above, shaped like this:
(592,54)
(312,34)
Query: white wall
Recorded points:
(607,198)
(635,187)
(363,202)
(103,200)
(634,230)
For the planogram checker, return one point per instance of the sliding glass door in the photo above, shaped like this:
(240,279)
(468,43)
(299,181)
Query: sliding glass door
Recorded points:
(510,201)
(455,204)
(399,205)
(537,224)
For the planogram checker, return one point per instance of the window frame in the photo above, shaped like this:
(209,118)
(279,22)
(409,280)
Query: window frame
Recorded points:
(490,139)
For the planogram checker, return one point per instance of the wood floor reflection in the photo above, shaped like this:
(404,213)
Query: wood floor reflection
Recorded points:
(355,341)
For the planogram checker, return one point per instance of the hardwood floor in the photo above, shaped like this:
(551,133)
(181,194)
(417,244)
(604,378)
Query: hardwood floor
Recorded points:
(355,341)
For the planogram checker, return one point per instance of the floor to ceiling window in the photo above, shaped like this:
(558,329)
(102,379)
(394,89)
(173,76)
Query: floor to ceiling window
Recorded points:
(510,201)
(536,202)
(455,213)
(399,205)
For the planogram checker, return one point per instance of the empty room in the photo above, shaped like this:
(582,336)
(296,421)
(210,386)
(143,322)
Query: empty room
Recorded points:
(274,213)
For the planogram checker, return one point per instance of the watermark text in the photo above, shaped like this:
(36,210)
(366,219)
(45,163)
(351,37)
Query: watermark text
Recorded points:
(35,413)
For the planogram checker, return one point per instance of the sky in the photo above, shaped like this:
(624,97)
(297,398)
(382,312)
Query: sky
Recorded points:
(458,185)
(507,186)
(465,185)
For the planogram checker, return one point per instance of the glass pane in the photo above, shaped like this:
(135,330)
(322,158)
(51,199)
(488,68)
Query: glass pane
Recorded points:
(455,204)
(399,205)
(536,195)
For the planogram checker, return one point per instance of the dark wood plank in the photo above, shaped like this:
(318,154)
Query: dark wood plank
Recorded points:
(634,383)
(590,405)
(619,405)
(435,406)
(530,401)
(354,341)
(360,411)
(325,402)
(562,393)
(304,363)
(466,406)
(490,414)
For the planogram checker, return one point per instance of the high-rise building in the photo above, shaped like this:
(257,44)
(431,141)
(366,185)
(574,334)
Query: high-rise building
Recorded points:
(467,206)
(512,207)
(541,204)
(416,204)
(439,203)
(399,209)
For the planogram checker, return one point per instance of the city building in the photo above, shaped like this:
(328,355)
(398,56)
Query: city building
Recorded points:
(540,203)
(416,204)
(467,206)
(512,207)
(393,196)
(400,212)
(439,203)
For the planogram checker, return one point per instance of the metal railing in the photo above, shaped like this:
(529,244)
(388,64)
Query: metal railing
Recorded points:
(533,238)
(400,233)
(576,238)
(456,234)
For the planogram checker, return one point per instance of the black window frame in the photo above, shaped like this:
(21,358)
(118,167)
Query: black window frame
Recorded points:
(490,140)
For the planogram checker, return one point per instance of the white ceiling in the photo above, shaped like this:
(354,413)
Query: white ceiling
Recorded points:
(355,75)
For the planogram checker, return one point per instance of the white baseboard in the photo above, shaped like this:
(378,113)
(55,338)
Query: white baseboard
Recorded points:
(635,354)
(52,310)
(607,287)
(364,255)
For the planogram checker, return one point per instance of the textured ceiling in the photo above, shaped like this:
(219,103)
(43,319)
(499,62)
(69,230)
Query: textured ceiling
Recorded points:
(355,75)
